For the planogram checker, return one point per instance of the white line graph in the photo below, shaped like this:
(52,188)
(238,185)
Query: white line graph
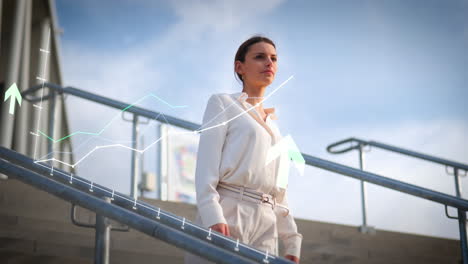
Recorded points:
(169,134)
(46,51)
(82,144)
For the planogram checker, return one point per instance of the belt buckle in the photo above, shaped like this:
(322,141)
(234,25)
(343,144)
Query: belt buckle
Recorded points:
(266,199)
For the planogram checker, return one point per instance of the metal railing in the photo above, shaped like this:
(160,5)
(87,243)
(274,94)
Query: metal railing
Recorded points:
(136,214)
(359,144)
(135,110)
(447,200)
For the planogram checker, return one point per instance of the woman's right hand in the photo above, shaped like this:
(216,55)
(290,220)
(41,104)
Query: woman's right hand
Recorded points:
(221,228)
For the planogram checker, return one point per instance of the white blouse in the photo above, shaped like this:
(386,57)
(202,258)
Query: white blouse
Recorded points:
(233,148)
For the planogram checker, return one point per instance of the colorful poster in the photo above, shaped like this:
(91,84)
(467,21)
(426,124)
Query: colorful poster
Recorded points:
(182,157)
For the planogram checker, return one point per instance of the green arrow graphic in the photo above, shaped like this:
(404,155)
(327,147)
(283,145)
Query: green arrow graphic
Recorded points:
(14,93)
(286,149)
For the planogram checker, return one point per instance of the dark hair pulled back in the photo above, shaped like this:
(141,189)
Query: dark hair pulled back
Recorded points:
(244,48)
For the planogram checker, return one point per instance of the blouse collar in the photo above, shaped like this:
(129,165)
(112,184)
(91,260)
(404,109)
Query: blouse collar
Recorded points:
(242,98)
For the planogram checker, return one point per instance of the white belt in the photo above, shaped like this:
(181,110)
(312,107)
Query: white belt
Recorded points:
(260,197)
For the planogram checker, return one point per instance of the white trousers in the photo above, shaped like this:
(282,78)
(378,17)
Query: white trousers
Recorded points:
(250,221)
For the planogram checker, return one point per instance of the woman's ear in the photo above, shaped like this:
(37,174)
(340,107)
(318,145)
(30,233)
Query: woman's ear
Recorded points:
(238,67)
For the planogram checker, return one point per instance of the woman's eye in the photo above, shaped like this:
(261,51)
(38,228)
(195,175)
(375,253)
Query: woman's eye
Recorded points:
(263,57)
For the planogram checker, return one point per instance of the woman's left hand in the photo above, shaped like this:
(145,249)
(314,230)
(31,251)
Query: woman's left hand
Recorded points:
(292,258)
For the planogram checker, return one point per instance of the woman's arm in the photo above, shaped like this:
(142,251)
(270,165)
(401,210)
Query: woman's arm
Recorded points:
(287,230)
(208,163)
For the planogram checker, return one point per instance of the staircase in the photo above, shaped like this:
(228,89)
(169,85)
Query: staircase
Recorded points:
(35,227)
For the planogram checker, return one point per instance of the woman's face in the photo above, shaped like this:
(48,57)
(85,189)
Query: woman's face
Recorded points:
(259,67)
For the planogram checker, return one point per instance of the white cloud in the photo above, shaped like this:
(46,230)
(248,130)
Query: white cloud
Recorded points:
(221,15)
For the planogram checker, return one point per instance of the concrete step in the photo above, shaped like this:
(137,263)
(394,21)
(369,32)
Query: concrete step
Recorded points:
(15,257)
(320,236)
(66,236)
(22,251)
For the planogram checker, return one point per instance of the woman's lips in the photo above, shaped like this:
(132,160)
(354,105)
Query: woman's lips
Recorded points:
(270,72)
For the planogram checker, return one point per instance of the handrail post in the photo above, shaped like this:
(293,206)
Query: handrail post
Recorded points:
(159,161)
(102,238)
(364,228)
(135,157)
(461,220)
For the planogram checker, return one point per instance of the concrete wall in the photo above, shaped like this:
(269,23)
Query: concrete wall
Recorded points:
(35,227)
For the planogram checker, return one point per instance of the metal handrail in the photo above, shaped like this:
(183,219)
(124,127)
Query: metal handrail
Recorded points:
(143,224)
(414,190)
(76,222)
(390,183)
(138,207)
(137,111)
(27,95)
(359,144)
(331,149)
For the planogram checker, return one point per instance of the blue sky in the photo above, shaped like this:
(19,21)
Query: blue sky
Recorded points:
(392,71)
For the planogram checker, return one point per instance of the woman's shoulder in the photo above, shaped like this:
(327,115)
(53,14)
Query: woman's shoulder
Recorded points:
(225,98)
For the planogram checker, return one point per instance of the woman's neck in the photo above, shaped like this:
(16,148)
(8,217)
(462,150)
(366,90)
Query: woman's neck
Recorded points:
(255,94)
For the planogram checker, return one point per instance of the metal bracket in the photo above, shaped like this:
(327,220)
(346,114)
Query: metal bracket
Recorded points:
(131,120)
(451,173)
(28,95)
(363,145)
(86,225)
(76,222)
(367,229)
(352,146)
(34,99)
(449,216)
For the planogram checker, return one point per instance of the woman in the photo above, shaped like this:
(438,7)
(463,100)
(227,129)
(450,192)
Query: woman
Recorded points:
(237,191)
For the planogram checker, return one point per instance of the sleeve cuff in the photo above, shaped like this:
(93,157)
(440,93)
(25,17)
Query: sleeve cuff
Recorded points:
(292,245)
(211,214)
